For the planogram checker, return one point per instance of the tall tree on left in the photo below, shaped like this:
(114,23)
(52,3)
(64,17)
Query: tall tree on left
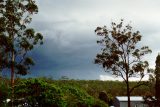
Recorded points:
(16,39)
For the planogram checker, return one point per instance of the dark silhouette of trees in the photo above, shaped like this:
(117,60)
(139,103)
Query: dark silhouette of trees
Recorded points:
(120,53)
(157,76)
(17,38)
(3,48)
(154,83)
(103,96)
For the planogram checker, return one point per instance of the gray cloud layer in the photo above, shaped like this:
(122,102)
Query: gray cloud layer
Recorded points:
(68,27)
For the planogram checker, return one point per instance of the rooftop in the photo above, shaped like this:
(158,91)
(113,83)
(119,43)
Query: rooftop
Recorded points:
(132,98)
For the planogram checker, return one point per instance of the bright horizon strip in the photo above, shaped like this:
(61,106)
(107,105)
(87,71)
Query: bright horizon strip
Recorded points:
(114,78)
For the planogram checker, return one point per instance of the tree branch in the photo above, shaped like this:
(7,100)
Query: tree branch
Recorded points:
(137,85)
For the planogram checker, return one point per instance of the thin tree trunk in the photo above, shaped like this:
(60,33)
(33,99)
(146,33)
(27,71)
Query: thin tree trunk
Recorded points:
(12,69)
(1,63)
(128,93)
(12,78)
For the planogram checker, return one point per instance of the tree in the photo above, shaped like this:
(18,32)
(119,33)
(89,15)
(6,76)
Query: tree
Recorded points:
(120,53)
(157,76)
(154,80)
(39,93)
(18,39)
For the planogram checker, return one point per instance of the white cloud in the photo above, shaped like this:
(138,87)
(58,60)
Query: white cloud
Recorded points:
(114,78)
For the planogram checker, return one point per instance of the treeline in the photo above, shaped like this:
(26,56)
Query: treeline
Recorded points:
(112,88)
(42,92)
(63,93)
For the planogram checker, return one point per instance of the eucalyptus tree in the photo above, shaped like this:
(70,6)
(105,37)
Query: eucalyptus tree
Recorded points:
(120,53)
(18,39)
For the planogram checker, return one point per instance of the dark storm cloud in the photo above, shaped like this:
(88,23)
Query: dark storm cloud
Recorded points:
(70,42)
(74,61)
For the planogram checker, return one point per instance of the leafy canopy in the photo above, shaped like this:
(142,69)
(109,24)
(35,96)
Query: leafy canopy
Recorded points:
(120,53)
(15,36)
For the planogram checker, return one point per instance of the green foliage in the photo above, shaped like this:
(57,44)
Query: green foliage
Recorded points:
(16,39)
(76,96)
(93,87)
(154,78)
(3,49)
(120,53)
(4,91)
(69,92)
(157,75)
(39,92)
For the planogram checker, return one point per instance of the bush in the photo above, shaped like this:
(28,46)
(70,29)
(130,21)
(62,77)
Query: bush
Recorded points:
(76,96)
(37,92)
(4,91)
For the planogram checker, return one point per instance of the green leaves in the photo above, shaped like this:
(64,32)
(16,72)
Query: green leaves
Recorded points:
(157,77)
(120,53)
(31,7)
(38,37)
(28,61)
(14,34)
(29,33)
(39,92)
(21,69)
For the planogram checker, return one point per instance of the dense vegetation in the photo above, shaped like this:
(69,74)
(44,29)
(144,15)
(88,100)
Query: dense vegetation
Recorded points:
(42,92)
(64,93)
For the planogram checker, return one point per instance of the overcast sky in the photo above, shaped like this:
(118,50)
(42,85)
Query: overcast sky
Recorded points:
(70,42)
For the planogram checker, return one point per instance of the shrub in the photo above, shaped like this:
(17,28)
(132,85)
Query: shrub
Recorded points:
(80,98)
(37,92)
(4,91)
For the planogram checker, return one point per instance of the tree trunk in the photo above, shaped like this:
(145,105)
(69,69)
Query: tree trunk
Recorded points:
(0,62)
(12,78)
(128,92)
(12,69)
